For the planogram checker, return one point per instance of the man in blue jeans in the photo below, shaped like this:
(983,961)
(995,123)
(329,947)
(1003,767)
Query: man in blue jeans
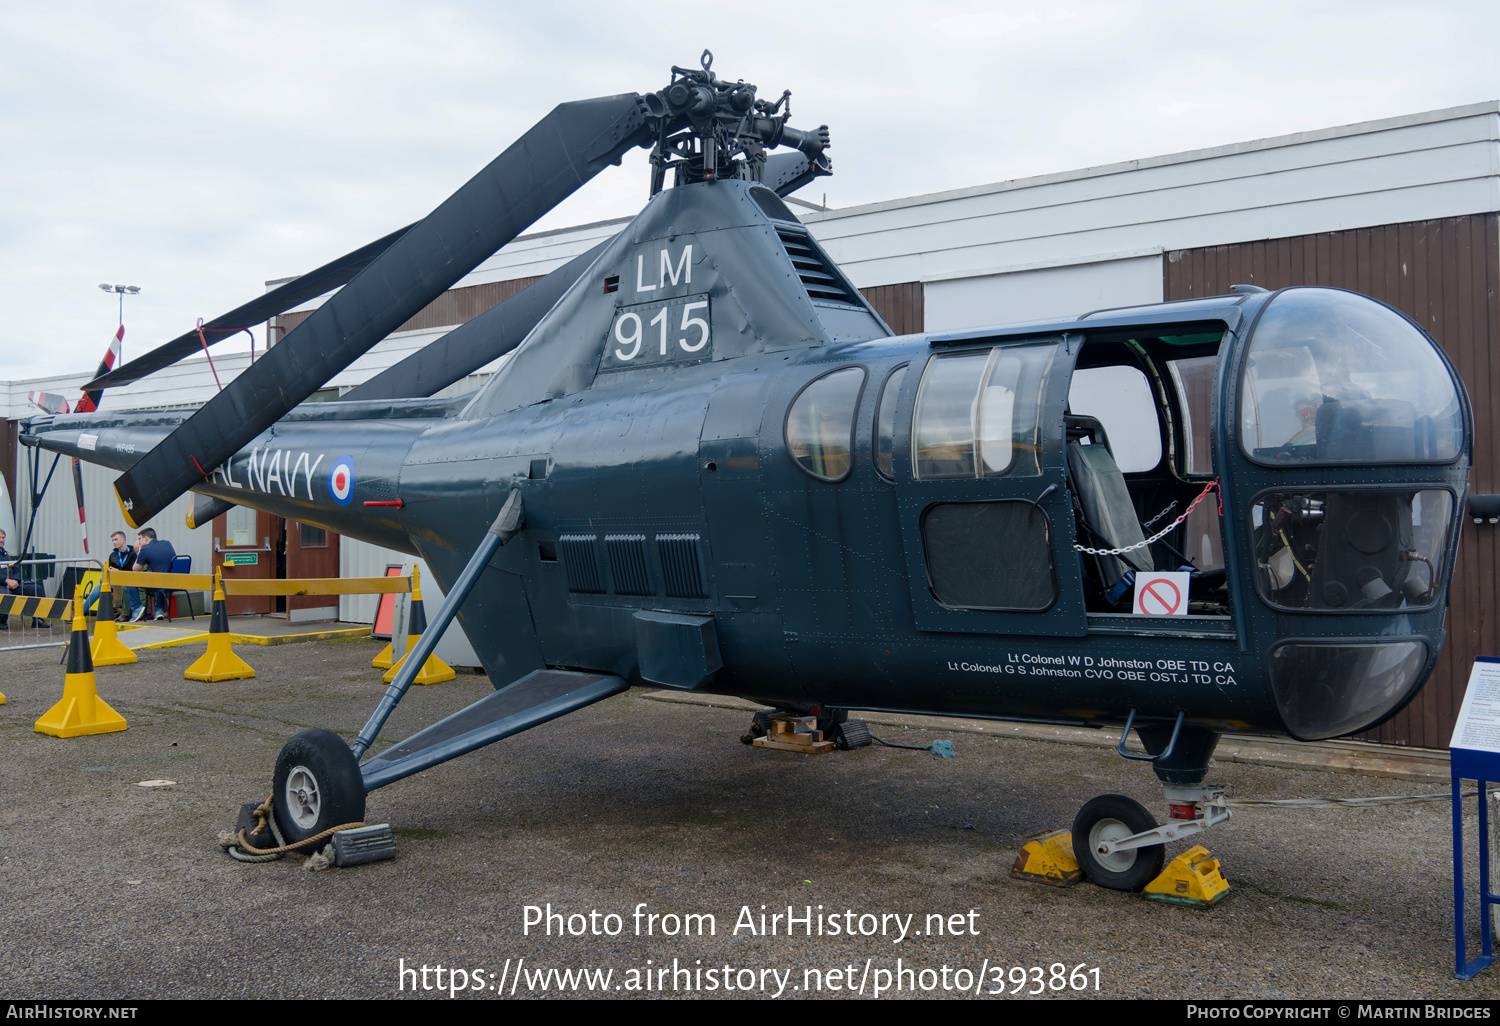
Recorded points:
(153,556)
(121,558)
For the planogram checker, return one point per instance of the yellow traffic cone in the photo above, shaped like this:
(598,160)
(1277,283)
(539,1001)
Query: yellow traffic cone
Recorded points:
(434,670)
(219,662)
(81,710)
(383,660)
(108,649)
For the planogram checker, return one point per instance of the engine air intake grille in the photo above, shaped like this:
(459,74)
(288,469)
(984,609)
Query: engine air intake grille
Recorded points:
(771,205)
(817,274)
(682,565)
(581,563)
(628,564)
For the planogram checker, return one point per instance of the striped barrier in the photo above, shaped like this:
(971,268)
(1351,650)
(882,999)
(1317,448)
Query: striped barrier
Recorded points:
(41,608)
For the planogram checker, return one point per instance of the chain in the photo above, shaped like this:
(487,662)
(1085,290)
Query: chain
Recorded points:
(1163,513)
(1159,534)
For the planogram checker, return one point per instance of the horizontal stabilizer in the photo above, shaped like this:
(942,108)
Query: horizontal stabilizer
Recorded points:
(531,701)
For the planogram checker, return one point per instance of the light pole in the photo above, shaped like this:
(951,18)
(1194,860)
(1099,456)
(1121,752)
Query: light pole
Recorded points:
(123,291)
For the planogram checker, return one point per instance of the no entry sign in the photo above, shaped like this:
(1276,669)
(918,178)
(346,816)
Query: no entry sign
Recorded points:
(1161,594)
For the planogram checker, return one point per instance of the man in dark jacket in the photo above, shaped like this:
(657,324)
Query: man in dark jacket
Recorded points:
(13,583)
(155,556)
(122,557)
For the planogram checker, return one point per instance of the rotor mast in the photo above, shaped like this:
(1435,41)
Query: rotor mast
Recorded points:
(708,129)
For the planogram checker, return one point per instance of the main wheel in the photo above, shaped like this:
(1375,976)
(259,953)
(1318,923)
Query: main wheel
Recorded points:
(1112,817)
(317,786)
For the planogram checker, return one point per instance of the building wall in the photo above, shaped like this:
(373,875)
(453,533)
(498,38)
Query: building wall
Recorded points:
(1048,293)
(1444,274)
(57,530)
(1418,167)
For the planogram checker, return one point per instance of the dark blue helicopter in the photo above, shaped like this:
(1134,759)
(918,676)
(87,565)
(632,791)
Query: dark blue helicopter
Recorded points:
(707,464)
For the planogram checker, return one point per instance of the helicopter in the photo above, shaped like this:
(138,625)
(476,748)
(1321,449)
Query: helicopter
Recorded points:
(708,464)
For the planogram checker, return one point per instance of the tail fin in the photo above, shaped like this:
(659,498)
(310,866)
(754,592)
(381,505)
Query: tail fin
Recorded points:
(90,401)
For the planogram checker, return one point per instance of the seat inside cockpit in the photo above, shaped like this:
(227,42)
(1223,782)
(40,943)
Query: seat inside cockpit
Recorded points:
(1138,454)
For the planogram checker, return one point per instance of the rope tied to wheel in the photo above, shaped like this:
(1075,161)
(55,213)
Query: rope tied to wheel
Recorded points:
(241,850)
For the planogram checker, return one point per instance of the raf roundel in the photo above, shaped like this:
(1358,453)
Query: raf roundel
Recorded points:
(341,480)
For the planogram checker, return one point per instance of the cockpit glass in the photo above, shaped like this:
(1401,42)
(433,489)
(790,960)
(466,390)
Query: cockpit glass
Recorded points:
(1347,550)
(1335,377)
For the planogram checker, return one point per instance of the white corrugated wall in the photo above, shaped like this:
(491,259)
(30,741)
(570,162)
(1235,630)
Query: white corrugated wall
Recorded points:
(361,559)
(57,530)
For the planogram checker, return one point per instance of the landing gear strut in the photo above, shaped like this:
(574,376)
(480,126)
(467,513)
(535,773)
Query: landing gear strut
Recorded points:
(1117,842)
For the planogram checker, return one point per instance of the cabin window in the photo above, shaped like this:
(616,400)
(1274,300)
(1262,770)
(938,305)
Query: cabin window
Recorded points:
(885,424)
(1194,380)
(989,555)
(1350,551)
(820,423)
(1327,690)
(1334,377)
(1120,399)
(978,413)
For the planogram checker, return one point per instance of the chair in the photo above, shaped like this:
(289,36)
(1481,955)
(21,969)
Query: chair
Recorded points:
(181,565)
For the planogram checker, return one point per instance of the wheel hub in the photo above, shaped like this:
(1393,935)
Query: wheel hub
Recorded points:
(1110,830)
(302,799)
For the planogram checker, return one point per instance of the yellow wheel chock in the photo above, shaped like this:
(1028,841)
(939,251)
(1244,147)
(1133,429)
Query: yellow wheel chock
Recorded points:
(1048,858)
(1191,879)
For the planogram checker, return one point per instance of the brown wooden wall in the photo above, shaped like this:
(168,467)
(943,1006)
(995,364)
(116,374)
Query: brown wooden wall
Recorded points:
(899,305)
(9,429)
(1443,274)
(453,307)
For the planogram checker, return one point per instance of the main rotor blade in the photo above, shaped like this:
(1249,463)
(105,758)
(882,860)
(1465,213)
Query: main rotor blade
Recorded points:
(476,342)
(279,300)
(785,173)
(541,169)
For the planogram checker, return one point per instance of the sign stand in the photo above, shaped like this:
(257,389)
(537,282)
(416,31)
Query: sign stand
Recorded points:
(1475,755)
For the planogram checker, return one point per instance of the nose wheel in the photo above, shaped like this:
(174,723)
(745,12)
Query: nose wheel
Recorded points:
(1112,818)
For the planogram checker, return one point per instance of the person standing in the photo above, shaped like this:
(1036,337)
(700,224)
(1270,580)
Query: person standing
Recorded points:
(122,557)
(155,556)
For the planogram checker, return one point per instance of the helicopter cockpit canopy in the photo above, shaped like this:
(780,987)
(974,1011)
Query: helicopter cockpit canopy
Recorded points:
(1335,377)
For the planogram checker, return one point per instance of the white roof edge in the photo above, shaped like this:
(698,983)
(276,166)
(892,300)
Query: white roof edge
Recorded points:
(570,230)
(1043,265)
(1185,157)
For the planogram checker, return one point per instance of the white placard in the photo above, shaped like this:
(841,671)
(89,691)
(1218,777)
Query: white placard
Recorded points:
(1161,594)
(1478,726)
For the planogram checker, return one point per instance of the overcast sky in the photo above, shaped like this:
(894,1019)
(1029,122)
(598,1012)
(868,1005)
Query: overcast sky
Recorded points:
(198,149)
